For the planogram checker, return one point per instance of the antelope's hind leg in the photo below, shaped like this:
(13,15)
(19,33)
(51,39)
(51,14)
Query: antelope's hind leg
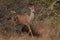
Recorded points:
(14,20)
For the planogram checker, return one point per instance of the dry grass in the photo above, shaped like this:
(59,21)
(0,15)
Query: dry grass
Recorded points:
(45,30)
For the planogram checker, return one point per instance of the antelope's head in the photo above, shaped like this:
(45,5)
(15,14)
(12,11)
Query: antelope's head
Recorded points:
(32,8)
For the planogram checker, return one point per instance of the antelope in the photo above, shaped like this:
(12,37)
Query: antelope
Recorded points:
(25,19)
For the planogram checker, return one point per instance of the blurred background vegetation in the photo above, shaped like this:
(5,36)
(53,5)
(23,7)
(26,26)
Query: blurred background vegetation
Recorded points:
(44,8)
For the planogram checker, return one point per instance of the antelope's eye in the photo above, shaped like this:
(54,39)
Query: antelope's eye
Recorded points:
(33,12)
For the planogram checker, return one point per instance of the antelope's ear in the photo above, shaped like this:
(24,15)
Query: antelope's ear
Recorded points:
(29,7)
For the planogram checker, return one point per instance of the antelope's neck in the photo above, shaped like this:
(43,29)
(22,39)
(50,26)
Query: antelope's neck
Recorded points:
(31,16)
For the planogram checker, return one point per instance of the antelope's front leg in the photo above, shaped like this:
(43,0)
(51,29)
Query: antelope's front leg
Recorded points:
(30,31)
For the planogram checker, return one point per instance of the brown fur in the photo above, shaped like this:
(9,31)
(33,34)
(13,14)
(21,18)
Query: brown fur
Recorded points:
(22,19)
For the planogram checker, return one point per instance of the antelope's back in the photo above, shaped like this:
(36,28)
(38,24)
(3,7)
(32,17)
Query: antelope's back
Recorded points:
(24,19)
